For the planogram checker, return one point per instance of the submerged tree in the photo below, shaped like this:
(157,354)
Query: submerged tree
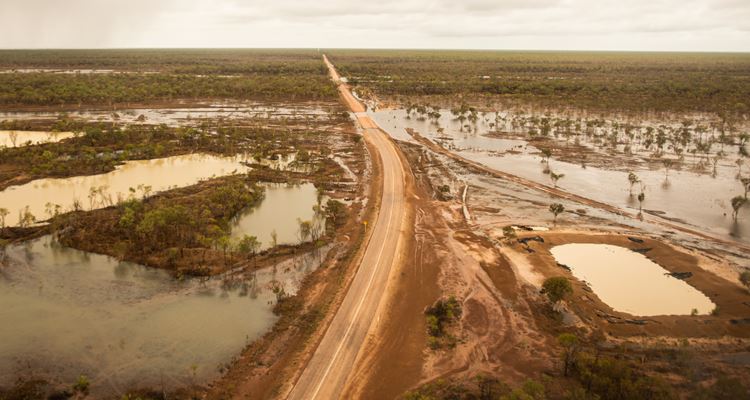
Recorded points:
(737,203)
(556,209)
(3,213)
(555,177)
(667,165)
(745,185)
(546,154)
(25,218)
(641,198)
(633,179)
(304,232)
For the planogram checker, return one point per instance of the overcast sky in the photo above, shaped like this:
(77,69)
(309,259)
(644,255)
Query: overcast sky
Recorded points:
(676,25)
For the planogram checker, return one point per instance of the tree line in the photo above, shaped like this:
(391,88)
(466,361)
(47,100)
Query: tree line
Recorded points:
(630,81)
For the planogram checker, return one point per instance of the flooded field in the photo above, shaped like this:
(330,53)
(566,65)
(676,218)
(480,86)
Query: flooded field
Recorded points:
(57,71)
(25,138)
(185,116)
(280,213)
(602,174)
(629,282)
(96,191)
(67,312)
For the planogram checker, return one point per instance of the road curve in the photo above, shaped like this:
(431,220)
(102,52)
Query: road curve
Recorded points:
(327,372)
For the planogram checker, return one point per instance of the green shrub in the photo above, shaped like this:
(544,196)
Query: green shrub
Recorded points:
(557,288)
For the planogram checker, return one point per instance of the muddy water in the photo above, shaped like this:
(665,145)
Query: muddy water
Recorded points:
(185,116)
(629,282)
(685,197)
(454,136)
(66,312)
(696,200)
(280,211)
(24,138)
(160,174)
(58,71)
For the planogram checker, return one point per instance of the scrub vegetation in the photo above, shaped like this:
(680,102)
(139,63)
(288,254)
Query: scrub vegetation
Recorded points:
(564,147)
(616,80)
(99,147)
(487,330)
(184,230)
(439,317)
(116,77)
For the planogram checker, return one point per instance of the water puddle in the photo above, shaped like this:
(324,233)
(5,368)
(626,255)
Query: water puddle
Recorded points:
(160,174)
(629,282)
(280,213)
(25,138)
(67,312)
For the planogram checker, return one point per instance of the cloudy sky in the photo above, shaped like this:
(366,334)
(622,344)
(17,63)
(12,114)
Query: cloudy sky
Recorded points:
(677,25)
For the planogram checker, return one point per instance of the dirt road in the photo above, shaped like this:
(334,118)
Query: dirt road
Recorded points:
(327,371)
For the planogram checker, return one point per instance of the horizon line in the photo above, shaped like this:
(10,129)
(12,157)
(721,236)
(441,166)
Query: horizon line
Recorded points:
(380,49)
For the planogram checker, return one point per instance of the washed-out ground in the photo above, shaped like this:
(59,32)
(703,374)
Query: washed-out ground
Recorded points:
(508,328)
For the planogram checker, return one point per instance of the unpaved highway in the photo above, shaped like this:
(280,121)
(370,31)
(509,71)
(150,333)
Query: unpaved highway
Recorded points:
(327,372)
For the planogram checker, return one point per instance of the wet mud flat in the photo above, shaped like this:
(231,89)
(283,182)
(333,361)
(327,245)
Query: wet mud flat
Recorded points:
(491,204)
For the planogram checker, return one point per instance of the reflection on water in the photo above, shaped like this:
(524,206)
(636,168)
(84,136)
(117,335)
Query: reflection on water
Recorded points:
(185,116)
(66,312)
(676,198)
(708,207)
(25,138)
(282,208)
(159,174)
(58,71)
(629,282)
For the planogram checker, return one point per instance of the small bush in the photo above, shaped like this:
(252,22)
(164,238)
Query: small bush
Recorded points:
(745,279)
(557,288)
(82,384)
(438,316)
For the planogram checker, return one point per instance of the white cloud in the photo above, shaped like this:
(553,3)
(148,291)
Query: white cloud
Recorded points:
(714,25)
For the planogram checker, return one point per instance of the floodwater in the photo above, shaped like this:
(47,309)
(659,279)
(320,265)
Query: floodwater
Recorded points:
(697,200)
(67,312)
(25,138)
(184,116)
(685,197)
(59,71)
(160,174)
(395,123)
(282,208)
(629,282)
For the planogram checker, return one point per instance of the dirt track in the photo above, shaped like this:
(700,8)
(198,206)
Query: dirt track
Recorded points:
(327,372)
